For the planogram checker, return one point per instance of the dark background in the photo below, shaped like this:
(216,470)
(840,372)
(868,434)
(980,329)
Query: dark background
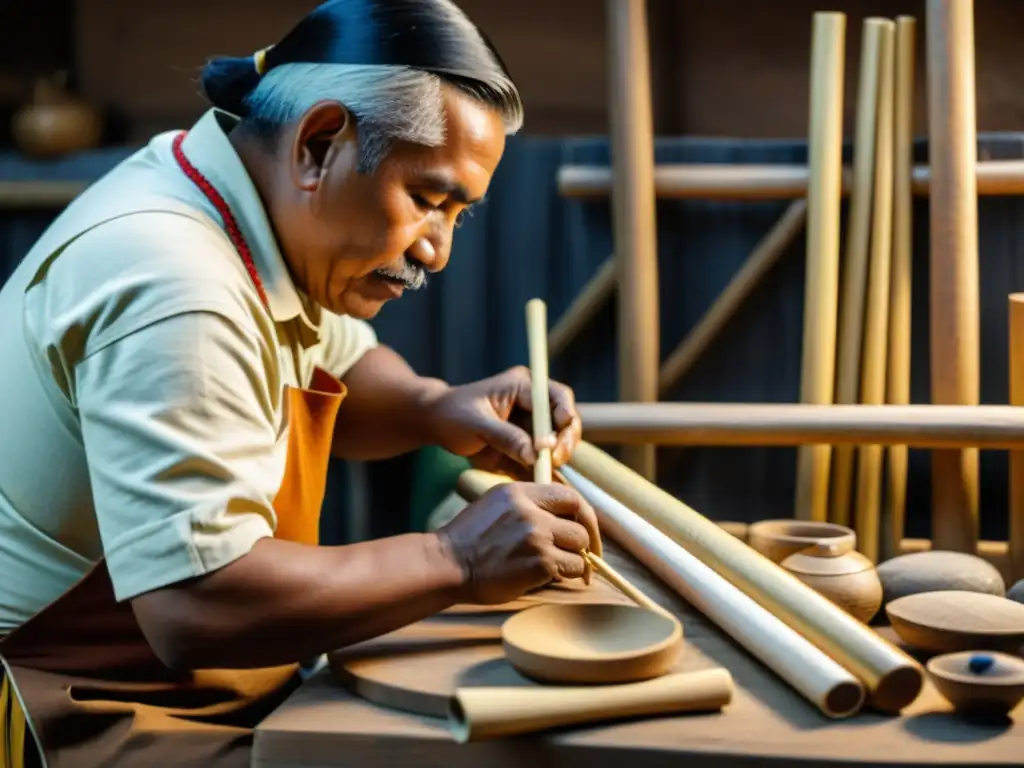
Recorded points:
(730,82)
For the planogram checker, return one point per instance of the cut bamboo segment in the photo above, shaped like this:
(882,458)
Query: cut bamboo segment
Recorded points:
(901,281)
(821,291)
(876,322)
(855,260)
(537,338)
(893,679)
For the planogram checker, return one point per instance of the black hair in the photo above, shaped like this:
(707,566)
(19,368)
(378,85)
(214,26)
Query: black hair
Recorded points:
(430,35)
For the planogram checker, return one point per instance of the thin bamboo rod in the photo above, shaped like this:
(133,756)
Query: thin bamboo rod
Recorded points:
(584,308)
(1016,511)
(821,291)
(601,287)
(901,281)
(993,427)
(716,181)
(855,260)
(764,256)
(633,211)
(537,337)
(953,273)
(876,321)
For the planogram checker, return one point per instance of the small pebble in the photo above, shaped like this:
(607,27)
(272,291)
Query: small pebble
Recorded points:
(980,664)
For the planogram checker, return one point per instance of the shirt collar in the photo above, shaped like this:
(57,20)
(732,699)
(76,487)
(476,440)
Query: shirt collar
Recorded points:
(209,150)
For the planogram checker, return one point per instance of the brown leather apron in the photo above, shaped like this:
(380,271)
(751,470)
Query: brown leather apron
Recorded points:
(82,679)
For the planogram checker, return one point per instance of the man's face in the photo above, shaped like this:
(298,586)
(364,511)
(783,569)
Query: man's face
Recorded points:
(356,240)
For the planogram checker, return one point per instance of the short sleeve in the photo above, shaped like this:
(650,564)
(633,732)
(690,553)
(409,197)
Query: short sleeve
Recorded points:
(178,428)
(344,340)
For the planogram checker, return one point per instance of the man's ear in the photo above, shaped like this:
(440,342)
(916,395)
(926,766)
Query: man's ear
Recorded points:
(322,131)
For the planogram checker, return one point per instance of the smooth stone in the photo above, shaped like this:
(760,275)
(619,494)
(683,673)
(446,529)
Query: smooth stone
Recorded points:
(938,571)
(1016,592)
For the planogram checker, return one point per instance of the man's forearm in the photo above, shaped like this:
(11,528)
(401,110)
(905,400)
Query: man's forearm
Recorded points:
(283,602)
(387,410)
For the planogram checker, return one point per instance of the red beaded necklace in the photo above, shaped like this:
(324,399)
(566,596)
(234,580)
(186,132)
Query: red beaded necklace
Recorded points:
(218,202)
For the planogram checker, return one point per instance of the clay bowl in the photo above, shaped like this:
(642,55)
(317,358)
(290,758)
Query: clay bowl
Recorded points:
(778,539)
(979,682)
(952,621)
(591,643)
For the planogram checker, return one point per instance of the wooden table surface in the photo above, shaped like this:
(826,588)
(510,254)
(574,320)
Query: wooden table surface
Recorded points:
(766,724)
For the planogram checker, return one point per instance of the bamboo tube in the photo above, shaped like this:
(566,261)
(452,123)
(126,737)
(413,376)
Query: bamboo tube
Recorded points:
(901,280)
(892,679)
(584,307)
(633,212)
(855,272)
(953,265)
(1016,511)
(716,181)
(487,712)
(536,338)
(768,251)
(994,427)
(810,672)
(821,293)
(876,324)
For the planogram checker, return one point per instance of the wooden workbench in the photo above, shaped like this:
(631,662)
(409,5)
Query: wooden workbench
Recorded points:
(767,724)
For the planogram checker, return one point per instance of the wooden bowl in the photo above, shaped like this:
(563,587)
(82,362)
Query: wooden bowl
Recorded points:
(952,621)
(979,682)
(591,643)
(850,581)
(778,539)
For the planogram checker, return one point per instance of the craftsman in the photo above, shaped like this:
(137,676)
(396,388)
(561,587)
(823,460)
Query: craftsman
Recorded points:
(186,346)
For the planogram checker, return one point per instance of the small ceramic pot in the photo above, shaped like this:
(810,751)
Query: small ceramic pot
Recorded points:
(55,122)
(849,580)
(778,539)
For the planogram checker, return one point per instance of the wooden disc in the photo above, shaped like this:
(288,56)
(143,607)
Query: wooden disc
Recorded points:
(592,643)
(947,622)
(418,668)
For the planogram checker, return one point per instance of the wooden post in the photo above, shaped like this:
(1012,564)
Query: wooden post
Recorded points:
(898,369)
(954,342)
(1016,516)
(636,250)
(821,294)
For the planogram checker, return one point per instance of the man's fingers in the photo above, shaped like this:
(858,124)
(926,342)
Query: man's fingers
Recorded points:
(569,535)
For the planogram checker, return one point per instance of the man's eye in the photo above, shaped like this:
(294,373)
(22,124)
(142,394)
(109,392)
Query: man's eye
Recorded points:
(425,204)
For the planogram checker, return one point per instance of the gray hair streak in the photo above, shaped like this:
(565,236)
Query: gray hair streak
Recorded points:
(388,103)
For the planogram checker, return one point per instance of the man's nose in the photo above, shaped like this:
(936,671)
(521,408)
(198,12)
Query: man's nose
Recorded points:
(429,254)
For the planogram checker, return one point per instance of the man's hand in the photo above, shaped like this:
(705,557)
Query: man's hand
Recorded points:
(489,422)
(519,536)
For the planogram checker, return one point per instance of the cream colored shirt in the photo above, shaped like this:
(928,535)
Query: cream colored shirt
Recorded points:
(142,408)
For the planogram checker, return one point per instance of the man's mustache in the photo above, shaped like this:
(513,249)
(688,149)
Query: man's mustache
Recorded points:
(412,275)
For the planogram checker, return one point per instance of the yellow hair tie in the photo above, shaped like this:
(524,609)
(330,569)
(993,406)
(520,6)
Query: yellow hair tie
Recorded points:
(260,60)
